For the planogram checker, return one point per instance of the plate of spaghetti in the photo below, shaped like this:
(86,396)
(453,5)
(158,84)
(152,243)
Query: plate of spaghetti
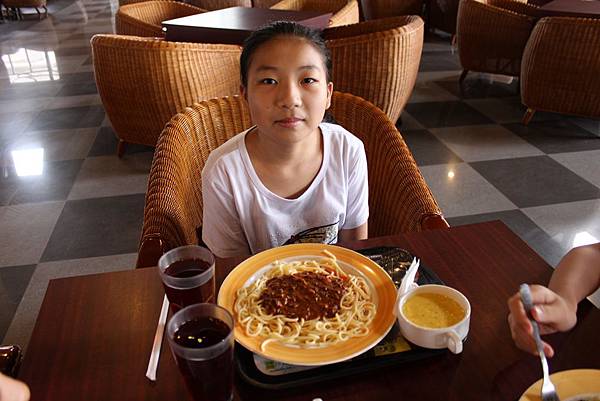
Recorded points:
(309,304)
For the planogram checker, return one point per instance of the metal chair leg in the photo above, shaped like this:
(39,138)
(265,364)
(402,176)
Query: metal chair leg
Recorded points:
(463,76)
(45,11)
(121,148)
(528,116)
(39,13)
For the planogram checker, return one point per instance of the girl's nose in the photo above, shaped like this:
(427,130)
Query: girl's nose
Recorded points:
(288,95)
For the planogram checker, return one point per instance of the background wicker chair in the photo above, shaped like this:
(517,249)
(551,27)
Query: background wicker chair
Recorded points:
(145,18)
(264,3)
(344,11)
(561,68)
(144,82)
(378,60)
(399,197)
(219,4)
(16,5)
(492,35)
(373,9)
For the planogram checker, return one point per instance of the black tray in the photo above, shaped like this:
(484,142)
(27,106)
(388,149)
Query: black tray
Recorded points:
(376,358)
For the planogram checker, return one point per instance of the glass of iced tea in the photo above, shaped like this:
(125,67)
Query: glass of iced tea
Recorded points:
(201,339)
(188,275)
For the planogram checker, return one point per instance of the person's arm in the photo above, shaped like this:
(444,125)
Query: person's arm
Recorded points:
(353,234)
(555,308)
(13,390)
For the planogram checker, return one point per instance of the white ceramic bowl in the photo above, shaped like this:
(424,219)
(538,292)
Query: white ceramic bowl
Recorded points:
(450,337)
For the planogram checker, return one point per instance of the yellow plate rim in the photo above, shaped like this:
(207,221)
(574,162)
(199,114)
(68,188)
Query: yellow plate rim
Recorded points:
(569,383)
(377,277)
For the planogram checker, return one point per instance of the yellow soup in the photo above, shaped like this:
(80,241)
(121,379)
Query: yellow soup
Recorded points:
(427,309)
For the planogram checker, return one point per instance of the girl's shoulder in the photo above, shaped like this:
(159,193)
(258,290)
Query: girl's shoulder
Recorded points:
(340,137)
(227,155)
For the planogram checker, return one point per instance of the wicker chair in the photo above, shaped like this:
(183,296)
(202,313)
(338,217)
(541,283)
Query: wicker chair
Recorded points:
(373,9)
(378,60)
(16,5)
(144,82)
(399,197)
(561,68)
(219,4)
(145,18)
(344,11)
(492,35)
(263,3)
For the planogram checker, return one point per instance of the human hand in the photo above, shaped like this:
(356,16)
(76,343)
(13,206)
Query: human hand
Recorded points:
(13,390)
(551,311)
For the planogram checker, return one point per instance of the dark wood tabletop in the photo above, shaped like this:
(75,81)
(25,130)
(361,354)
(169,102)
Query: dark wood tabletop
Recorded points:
(571,8)
(234,24)
(94,333)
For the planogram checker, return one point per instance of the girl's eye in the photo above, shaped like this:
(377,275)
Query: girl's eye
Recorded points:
(268,81)
(309,81)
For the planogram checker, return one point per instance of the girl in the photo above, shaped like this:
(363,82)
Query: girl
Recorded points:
(291,177)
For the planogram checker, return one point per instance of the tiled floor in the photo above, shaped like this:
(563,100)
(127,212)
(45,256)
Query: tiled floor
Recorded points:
(69,206)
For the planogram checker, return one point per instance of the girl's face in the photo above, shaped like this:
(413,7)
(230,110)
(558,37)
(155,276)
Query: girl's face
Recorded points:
(287,90)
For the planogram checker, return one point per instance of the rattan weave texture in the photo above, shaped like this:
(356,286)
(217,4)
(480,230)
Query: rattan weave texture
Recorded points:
(492,38)
(344,11)
(219,4)
(145,18)
(378,60)
(399,198)
(144,82)
(561,67)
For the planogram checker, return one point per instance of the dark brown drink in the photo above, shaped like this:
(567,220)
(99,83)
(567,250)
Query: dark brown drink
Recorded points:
(202,290)
(211,379)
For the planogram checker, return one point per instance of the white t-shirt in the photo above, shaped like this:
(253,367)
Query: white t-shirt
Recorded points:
(243,217)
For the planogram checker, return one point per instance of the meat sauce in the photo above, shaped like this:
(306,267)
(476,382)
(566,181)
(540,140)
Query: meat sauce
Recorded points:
(304,295)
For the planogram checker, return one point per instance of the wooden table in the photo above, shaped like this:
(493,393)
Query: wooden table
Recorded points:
(571,8)
(233,25)
(94,333)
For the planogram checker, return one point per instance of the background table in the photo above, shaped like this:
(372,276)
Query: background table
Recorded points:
(94,333)
(571,8)
(233,25)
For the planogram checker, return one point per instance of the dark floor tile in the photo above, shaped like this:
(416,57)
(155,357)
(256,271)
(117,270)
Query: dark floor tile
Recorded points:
(73,117)
(73,51)
(77,78)
(13,283)
(536,181)
(439,61)
(106,144)
(446,114)
(524,227)
(96,227)
(480,88)
(88,88)
(556,136)
(53,184)
(427,149)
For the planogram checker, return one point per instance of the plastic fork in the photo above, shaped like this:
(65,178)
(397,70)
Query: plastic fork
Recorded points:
(548,389)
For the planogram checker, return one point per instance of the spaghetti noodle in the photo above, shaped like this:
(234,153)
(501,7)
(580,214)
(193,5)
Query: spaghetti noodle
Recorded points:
(351,318)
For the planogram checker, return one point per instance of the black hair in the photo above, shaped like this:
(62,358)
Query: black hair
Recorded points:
(277,29)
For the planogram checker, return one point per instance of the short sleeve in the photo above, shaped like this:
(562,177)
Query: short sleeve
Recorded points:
(221,228)
(357,211)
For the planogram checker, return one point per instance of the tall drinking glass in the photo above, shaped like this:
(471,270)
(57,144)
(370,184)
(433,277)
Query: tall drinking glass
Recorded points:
(188,275)
(201,339)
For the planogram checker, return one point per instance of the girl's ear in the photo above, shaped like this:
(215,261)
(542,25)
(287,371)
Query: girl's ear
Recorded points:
(329,94)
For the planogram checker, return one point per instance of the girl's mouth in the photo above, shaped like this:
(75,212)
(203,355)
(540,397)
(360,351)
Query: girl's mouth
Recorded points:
(289,122)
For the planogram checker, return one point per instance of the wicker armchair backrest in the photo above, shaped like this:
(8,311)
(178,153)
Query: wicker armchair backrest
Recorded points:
(378,60)
(144,82)
(145,18)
